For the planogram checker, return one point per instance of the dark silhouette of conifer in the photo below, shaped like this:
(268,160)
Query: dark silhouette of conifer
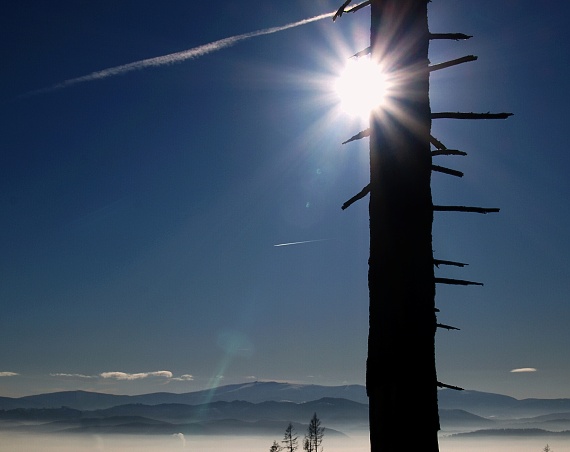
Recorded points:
(314,436)
(290,439)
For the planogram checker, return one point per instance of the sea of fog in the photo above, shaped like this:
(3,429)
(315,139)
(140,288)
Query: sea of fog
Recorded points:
(510,444)
(12,442)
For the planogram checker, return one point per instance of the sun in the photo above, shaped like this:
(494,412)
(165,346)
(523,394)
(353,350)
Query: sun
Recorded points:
(361,87)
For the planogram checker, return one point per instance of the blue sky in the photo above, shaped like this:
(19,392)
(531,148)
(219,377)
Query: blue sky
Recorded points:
(140,211)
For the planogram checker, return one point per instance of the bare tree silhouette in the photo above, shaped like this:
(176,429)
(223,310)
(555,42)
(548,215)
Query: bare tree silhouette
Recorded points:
(401,369)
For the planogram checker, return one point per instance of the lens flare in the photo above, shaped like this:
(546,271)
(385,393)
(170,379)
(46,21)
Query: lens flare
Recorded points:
(361,87)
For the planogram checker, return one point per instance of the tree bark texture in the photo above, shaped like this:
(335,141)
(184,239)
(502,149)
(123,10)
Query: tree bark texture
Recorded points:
(400,372)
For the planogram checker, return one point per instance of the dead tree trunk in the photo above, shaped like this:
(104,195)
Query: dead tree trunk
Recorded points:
(400,371)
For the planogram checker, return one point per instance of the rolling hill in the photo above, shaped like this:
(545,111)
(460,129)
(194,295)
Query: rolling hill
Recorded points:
(266,408)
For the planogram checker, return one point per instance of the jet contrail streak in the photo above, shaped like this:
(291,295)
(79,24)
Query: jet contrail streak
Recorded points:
(299,243)
(175,57)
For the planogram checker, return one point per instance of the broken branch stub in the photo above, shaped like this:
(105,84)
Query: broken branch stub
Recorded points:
(456,282)
(444,170)
(460,115)
(483,210)
(361,194)
(438,262)
(465,59)
(447,152)
(452,36)
(363,134)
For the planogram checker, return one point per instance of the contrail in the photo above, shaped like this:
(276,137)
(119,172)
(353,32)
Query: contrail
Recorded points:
(175,57)
(299,243)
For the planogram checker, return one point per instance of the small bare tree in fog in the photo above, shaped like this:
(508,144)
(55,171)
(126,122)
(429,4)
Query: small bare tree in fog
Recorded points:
(547,448)
(314,435)
(275,447)
(290,439)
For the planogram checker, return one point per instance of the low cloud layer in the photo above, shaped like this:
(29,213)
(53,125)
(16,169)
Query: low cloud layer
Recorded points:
(119,376)
(524,369)
(138,376)
(185,377)
(72,375)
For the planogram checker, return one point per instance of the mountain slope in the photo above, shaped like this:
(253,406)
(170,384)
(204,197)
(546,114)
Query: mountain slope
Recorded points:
(269,417)
(498,406)
(483,404)
(251,392)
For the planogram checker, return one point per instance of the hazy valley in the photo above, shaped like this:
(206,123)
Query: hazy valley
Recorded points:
(262,410)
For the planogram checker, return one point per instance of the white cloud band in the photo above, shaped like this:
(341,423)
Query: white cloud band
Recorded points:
(185,377)
(523,370)
(137,376)
(8,374)
(71,375)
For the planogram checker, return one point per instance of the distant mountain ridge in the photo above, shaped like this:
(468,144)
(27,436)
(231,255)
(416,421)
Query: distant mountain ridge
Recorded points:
(480,403)
(500,406)
(254,392)
(218,418)
(265,408)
